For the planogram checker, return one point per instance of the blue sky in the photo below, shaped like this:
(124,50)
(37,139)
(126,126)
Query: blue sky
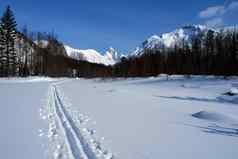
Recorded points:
(122,24)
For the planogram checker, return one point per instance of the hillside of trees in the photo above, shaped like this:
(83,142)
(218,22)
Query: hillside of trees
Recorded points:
(24,53)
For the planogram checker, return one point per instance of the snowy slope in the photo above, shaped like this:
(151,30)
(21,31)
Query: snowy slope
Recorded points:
(169,40)
(90,55)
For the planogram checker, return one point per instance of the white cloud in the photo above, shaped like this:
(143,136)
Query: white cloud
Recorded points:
(233,6)
(212,11)
(215,22)
(214,15)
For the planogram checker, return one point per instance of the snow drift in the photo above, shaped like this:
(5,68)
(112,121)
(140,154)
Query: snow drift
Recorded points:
(215,117)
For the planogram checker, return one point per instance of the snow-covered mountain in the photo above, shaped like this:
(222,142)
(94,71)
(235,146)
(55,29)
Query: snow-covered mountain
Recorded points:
(91,55)
(164,41)
(42,43)
(169,40)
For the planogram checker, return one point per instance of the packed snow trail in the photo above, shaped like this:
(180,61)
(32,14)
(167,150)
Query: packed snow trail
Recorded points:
(77,145)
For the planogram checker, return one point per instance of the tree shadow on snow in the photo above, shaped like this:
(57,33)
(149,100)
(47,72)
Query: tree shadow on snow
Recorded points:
(216,100)
(220,130)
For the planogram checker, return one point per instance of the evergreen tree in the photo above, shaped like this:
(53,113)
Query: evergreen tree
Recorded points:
(8,36)
(236,44)
(233,51)
(196,53)
(1,51)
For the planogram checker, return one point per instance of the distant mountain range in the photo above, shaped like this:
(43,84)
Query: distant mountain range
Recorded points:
(169,40)
(163,41)
(177,37)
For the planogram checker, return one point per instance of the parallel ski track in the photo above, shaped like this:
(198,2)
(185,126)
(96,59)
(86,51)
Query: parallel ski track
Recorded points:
(77,144)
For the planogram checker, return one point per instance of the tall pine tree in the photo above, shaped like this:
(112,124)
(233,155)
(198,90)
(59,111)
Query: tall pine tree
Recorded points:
(1,51)
(7,41)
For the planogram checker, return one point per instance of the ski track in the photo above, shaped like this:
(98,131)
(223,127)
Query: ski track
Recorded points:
(77,145)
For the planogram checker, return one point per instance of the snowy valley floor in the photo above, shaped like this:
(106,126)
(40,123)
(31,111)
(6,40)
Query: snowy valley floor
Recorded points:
(142,118)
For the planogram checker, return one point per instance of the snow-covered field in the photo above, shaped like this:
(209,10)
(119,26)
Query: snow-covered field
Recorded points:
(141,118)
(20,121)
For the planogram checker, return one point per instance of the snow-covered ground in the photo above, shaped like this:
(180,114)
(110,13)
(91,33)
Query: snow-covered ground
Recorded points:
(21,124)
(141,118)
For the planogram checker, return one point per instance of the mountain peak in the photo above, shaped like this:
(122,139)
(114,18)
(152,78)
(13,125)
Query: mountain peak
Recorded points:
(112,53)
(169,40)
(90,55)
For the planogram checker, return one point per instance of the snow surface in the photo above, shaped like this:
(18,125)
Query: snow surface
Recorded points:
(155,117)
(27,80)
(21,124)
(234,91)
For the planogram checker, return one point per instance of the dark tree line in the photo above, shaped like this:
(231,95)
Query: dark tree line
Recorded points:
(211,53)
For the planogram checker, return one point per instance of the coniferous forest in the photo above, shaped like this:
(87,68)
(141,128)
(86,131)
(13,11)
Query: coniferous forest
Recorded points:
(24,53)
(215,53)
